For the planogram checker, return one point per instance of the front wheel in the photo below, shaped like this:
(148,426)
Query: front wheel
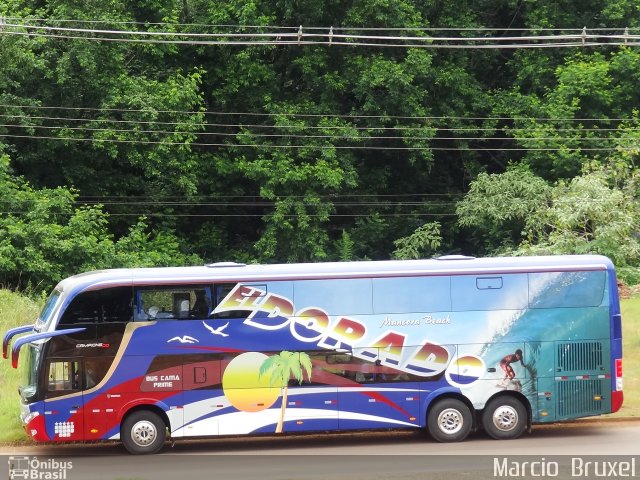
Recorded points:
(143,432)
(504,418)
(449,420)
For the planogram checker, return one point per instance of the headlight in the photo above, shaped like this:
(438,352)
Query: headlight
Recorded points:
(26,419)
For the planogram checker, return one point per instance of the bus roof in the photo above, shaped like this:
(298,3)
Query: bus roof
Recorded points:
(232,272)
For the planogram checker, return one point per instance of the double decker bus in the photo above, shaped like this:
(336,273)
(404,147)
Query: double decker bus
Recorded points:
(449,345)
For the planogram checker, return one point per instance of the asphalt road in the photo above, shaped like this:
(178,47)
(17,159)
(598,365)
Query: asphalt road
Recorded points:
(559,451)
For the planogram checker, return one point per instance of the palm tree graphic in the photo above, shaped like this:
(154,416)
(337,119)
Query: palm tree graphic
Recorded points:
(282,367)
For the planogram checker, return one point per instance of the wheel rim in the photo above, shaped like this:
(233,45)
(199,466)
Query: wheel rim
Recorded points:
(144,433)
(505,418)
(450,421)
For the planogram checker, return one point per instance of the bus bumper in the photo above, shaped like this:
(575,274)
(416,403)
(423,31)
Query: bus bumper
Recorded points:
(617,397)
(34,424)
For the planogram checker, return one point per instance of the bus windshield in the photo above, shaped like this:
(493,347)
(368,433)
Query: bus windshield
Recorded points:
(45,317)
(30,371)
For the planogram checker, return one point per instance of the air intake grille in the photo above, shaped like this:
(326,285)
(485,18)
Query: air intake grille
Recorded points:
(581,398)
(579,356)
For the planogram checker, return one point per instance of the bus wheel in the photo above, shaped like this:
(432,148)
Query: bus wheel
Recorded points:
(449,420)
(504,418)
(143,432)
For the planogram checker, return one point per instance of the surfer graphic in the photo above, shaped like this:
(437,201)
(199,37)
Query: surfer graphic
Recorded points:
(509,373)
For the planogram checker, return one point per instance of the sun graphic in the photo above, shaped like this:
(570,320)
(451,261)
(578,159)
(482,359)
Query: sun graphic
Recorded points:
(244,387)
(465,370)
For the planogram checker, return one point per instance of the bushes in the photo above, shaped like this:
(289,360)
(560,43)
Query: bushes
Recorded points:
(45,236)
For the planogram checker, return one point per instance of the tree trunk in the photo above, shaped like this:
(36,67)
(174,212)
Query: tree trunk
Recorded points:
(283,407)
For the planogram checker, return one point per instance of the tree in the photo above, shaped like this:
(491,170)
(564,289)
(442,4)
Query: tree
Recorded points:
(269,152)
(575,120)
(344,247)
(421,243)
(497,207)
(280,368)
(45,236)
(586,215)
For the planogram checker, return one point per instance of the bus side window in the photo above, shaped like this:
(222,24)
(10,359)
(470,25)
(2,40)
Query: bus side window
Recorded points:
(95,369)
(117,304)
(220,293)
(180,302)
(201,307)
(107,305)
(84,308)
(64,376)
(155,304)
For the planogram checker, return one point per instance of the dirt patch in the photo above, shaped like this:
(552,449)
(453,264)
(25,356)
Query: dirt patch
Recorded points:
(626,291)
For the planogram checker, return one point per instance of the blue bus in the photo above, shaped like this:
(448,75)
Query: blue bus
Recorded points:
(450,345)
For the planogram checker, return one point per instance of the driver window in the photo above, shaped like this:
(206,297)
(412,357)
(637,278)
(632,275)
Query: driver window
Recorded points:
(63,377)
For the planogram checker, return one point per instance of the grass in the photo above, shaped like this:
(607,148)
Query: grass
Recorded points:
(15,310)
(631,359)
(18,310)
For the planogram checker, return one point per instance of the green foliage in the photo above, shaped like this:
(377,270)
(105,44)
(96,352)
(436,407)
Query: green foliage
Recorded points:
(331,139)
(284,365)
(420,244)
(586,215)
(565,126)
(345,246)
(596,212)
(143,248)
(629,275)
(15,310)
(497,207)
(45,236)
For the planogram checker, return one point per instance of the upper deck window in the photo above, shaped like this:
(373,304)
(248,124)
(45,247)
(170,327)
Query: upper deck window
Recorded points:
(566,289)
(98,306)
(411,294)
(489,292)
(337,297)
(177,302)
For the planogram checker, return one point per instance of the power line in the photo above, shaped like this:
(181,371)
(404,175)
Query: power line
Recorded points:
(337,205)
(329,196)
(262,204)
(395,128)
(299,33)
(323,147)
(331,37)
(171,133)
(252,215)
(325,115)
(345,28)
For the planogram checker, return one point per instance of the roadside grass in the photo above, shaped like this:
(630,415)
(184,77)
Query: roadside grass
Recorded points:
(631,357)
(18,310)
(15,310)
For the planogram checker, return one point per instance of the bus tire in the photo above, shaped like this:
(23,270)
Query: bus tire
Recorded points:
(143,432)
(504,418)
(449,420)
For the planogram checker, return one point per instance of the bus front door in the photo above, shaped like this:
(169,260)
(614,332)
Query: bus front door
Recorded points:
(63,402)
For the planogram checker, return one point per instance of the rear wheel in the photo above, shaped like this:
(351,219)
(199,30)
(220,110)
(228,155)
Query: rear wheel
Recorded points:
(449,420)
(143,432)
(504,418)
